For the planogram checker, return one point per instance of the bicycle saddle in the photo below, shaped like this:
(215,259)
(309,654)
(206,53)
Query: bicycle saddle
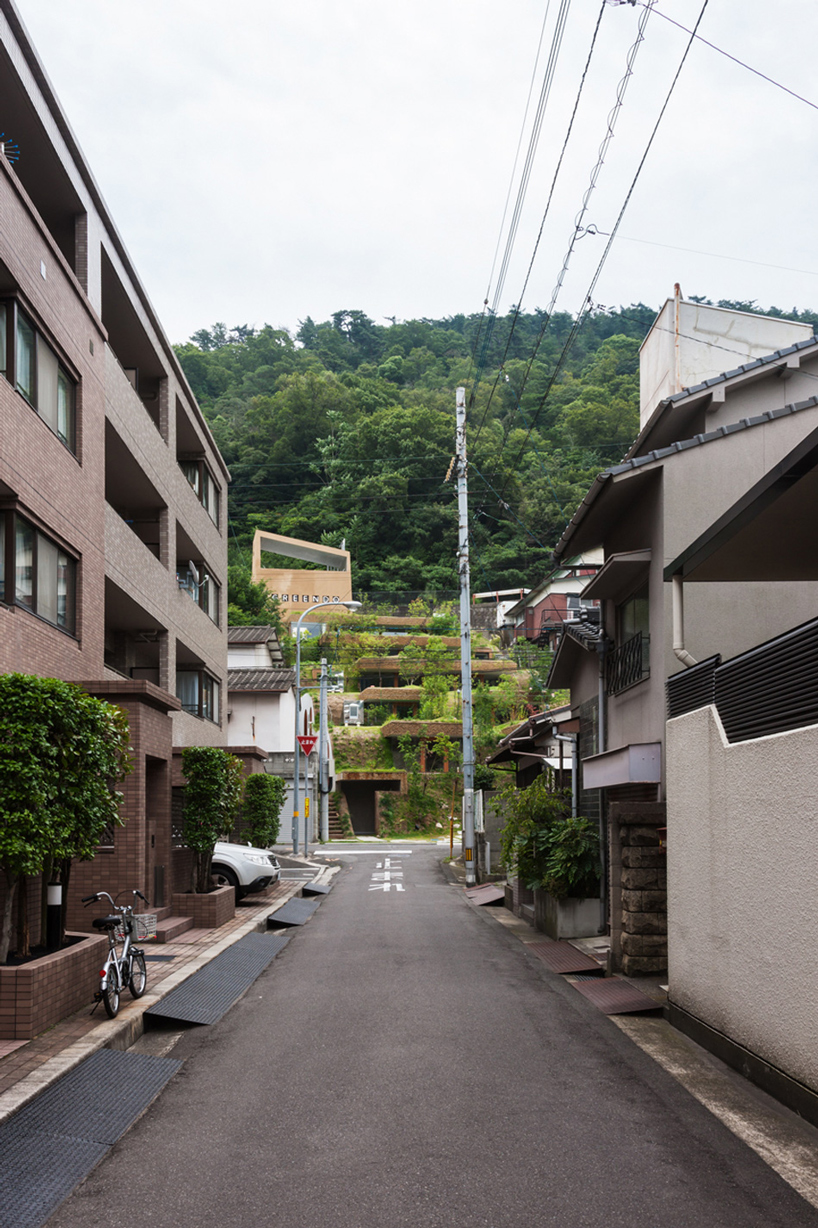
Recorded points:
(106,923)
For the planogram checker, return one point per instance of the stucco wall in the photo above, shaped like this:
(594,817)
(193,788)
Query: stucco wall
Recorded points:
(742,869)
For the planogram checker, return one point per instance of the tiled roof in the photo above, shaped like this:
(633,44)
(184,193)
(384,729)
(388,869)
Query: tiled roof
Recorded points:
(270,680)
(250,635)
(684,445)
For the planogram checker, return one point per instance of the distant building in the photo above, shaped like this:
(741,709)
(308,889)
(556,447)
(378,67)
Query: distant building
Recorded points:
(297,588)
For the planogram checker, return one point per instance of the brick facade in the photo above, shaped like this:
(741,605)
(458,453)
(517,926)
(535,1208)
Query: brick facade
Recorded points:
(115,498)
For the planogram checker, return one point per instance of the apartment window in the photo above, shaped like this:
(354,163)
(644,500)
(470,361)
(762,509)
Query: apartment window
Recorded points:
(198,692)
(204,486)
(197,582)
(29,362)
(36,573)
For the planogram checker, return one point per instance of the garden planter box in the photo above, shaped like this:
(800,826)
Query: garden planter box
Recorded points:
(208,911)
(36,995)
(568,918)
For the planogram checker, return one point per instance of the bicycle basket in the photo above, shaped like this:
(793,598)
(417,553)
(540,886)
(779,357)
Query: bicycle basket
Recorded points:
(144,928)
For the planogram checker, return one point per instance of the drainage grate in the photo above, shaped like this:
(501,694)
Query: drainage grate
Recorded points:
(51,1144)
(158,959)
(616,997)
(210,992)
(294,912)
(562,957)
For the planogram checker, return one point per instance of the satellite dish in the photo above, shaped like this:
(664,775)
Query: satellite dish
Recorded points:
(194,571)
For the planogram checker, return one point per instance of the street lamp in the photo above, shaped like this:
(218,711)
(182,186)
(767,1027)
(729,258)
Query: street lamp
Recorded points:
(350,605)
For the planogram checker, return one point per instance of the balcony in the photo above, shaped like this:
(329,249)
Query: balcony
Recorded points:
(628,664)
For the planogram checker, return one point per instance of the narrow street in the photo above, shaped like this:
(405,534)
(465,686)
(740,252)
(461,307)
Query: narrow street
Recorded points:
(405,1062)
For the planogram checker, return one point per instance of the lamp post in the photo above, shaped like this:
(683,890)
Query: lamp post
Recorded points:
(350,605)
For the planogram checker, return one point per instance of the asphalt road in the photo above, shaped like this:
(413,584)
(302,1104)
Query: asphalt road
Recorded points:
(405,1062)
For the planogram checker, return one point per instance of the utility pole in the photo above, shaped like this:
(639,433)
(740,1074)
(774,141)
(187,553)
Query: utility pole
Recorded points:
(323,753)
(465,642)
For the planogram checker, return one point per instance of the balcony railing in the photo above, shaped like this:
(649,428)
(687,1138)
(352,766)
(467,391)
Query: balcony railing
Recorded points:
(628,664)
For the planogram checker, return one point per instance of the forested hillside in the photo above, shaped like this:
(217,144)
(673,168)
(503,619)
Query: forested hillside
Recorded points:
(346,432)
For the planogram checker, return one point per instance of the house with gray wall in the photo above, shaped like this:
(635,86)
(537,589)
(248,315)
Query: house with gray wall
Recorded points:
(700,451)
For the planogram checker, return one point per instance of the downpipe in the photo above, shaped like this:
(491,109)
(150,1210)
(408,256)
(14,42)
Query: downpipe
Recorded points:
(679,650)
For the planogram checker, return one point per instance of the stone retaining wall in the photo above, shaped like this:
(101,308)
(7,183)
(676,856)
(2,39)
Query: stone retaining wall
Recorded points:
(642,929)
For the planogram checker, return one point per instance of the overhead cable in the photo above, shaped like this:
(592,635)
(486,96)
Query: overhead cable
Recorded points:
(589,295)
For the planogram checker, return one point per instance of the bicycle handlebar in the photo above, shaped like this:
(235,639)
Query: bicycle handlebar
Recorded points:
(91,899)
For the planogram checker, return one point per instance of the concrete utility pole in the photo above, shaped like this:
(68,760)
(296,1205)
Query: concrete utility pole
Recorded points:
(465,642)
(323,753)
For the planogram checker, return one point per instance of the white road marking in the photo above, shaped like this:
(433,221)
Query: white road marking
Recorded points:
(385,876)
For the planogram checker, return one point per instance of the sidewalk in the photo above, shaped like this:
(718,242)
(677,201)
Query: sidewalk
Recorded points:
(28,1067)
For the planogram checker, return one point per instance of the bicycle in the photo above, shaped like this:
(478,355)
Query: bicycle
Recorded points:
(128,967)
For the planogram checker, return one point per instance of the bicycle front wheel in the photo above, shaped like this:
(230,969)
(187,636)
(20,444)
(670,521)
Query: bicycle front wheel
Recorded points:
(112,991)
(139,975)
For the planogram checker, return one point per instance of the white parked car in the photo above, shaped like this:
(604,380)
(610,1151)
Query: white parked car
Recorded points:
(244,867)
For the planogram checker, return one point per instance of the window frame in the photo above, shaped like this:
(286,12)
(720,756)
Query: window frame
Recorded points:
(208,695)
(200,593)
(16,316)
(202,481)
(12,520)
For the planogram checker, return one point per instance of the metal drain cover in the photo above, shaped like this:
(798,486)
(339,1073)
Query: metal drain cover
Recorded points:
(210,992)
(616,997)
(562,957)
(53,1142)
(294,912)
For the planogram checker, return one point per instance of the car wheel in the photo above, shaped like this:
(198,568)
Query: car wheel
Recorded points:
(223,876)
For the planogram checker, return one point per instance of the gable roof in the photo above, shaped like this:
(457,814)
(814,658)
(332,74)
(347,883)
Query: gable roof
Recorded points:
(636,463)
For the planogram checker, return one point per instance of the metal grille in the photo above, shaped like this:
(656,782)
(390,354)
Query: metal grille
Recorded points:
(615,997)
(294,912)
(772,688)
(209,993)
(51,1144)
(692,688)
(628,664)
(562,957)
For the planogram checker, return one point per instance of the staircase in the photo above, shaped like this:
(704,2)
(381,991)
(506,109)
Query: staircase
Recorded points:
(336,830)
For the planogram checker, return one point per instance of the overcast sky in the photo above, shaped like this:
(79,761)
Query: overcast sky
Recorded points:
(266,161)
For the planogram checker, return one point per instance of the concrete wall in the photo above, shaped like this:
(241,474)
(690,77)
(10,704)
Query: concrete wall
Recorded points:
(742,867)
(691,342)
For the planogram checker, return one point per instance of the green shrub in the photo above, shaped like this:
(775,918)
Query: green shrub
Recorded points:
(544,846)
(263,799)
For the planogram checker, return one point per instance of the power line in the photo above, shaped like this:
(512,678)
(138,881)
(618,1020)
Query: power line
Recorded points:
(757,72)
(545,93)
(692,251)
(518,306)
(578,228)
(588,297)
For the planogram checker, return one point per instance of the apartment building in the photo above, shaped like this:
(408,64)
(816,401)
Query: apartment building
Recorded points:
(112,491)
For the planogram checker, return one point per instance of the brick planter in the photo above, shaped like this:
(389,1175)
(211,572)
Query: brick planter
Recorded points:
(208,911)
(36,995)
